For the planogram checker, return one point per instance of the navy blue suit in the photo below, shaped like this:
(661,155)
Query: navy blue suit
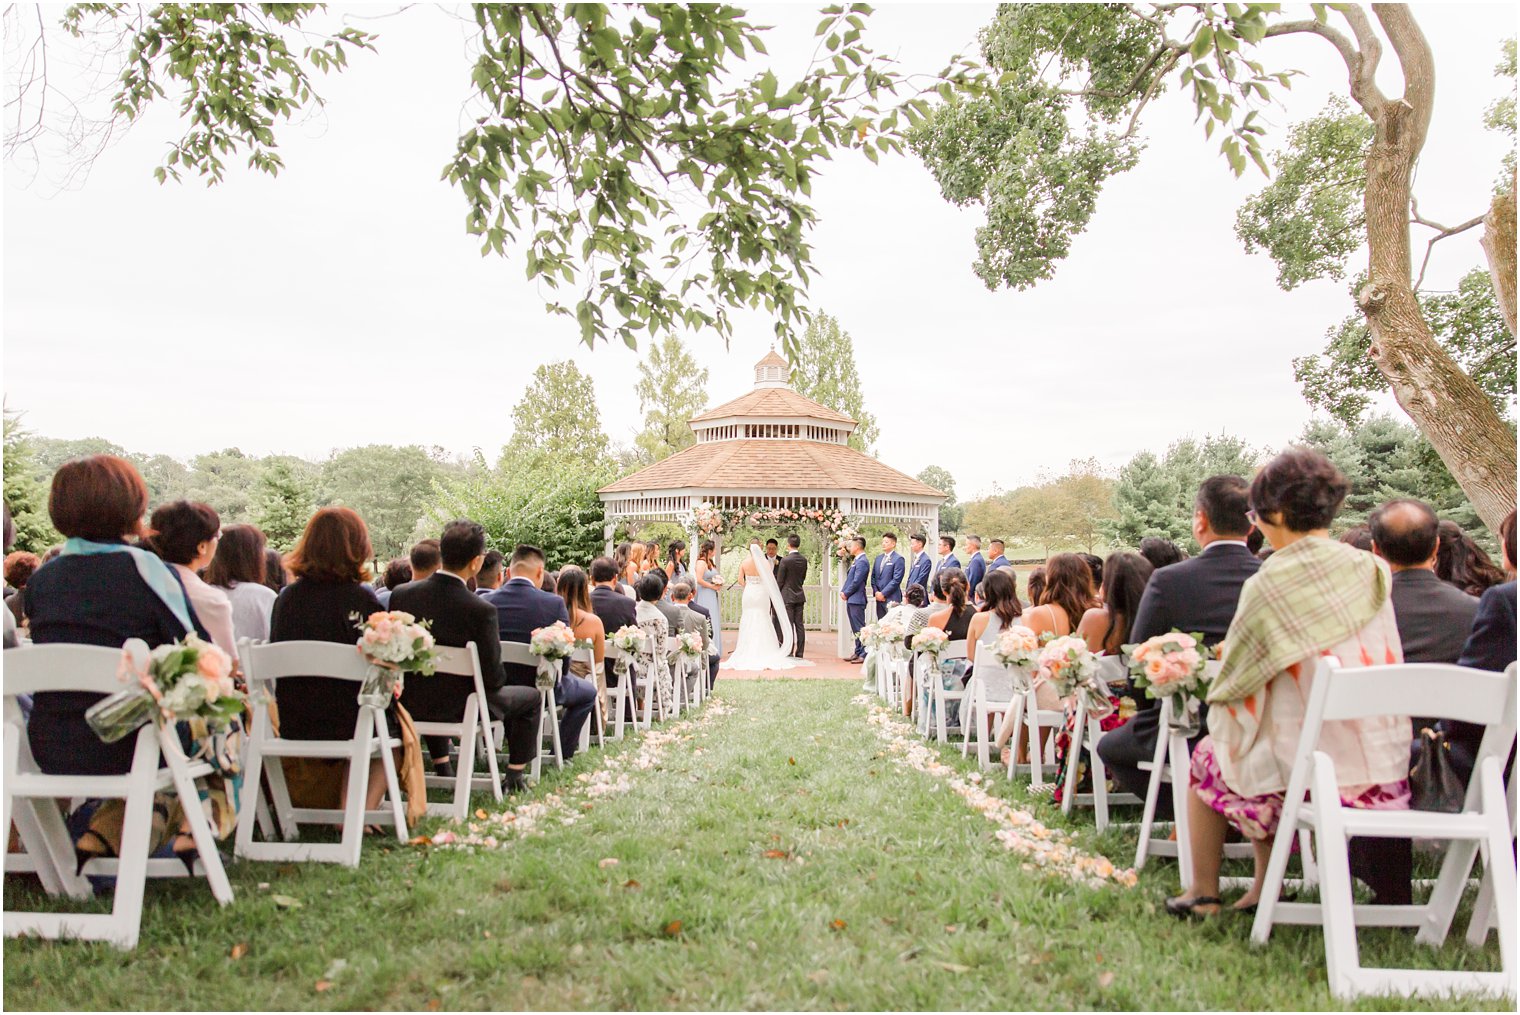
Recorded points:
(976,570)
(887,578)
(1490,646)
(854,593)
(1001,561)
(923,564)
(521,607)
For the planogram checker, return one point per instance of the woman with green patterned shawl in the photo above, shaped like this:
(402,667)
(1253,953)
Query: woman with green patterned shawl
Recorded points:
(1313,598)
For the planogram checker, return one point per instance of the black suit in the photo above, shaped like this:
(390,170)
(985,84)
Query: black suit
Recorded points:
(522,607)
(458,617)
(615,611)
(1433,616)
(790,574)
(90,599)
(1490,646)
(1195,596)
(712,629)
(319,708)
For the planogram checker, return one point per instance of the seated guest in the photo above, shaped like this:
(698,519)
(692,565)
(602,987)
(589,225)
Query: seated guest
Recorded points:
(1359,536)
(614,609)
(665,606)
(184,534)
(650,615)
(1107,627)
(459,617)
(681,593)
(1490,646)
(1462,562)
(1314,597)
(491,573)
(1003,610)
(275,575)
(1255,541)
(1161,552)
(714,646)
(425,559)
(1067,595)
(1194,596)
(397,573)
(1095,566)
(917,610)
(955,618)
(522,607)
(330,563)
(99,591)
(1433,616)
(19,567)
(550,583)
(238,570)
(575,590)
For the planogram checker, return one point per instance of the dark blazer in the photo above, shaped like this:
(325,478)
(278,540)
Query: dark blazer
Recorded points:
(319,708)
(1490,646)
(98,599)
(1001,561)
(790,574)
(615,610)
(521,608)
(1433,616)
(458,617)
(918,574)
(976,570)
(706,615)
(887,576)
(951,560)
(854,590)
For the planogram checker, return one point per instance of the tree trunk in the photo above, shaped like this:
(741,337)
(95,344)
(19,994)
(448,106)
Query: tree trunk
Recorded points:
(1499,244)
(1447,405)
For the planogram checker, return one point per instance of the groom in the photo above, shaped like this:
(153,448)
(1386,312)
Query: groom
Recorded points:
(790,574)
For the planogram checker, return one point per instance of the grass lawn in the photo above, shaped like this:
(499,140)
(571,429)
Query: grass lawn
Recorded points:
(806,871)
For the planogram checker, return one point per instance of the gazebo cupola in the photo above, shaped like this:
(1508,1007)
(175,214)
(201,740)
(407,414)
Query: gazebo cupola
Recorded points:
(773,411)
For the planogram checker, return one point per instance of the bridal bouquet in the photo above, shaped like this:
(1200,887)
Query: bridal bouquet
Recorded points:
(1069,666)
(1172,665)
(183,680)
(394,643)
(931,641)
(551,644)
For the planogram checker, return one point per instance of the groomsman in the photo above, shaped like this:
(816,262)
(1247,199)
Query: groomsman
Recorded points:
(887,575)
(947,558)
(998,560)
(854,594)
(923,565)
(976,565)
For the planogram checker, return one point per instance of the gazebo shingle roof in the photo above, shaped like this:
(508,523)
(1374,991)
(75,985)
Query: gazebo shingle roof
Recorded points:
(774,402)
(769,464)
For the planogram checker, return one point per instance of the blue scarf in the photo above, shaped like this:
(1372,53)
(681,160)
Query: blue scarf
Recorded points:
(155,573)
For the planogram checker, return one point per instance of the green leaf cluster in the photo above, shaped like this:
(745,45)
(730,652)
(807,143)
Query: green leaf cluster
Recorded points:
(672,389)
(951,513)
(1071,511)
(26,487)
(823,369)
(556,420)
(1154,495)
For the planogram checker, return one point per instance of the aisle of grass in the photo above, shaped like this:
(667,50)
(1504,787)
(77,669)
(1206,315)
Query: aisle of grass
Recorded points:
(775,860)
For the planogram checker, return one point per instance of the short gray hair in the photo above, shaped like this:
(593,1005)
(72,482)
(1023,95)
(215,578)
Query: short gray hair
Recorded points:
(681,590)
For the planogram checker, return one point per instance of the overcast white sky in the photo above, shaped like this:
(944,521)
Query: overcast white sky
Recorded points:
(342,303)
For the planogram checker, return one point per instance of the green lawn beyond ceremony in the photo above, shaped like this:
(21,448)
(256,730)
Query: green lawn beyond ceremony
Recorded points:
(774,857)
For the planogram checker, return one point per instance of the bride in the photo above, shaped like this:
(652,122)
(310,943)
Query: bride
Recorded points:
(757,648)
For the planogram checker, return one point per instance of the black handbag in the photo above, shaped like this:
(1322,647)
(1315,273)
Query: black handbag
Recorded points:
(1433,786)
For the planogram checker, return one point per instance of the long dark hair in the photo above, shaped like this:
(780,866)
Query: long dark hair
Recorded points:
(1124,578)
(275,575)
(575,591)
(620,556)
(239,557)
(954,588)
(1068,584)
(1462,562)
(1001,590)
(1036,586)
(705,552)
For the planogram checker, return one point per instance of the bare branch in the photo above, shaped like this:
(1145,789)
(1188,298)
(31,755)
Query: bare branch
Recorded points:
(1150,92)
(1445,231)
(1360,66)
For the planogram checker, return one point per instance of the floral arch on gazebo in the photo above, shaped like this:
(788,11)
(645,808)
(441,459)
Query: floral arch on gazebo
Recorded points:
(775,458)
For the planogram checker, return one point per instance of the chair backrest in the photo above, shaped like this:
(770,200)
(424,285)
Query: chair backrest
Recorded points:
(34,668)
(585,655)
(462,662)
(302,659)
(517,654)
(1111,670)
(954,650)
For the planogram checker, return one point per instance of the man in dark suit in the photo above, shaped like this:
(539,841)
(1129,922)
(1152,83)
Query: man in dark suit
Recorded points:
(1198,595)
(712,646)
(854,593)
(946,559)
(887,575)
(998,558)
(521,608)
(923,564)
(614,609)
(1490,646)
(459,617)
(976,566)
(1433,617)
(425,560)
(491,574)
(790,574)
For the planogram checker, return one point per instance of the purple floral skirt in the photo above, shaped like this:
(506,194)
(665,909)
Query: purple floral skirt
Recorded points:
(1257,817)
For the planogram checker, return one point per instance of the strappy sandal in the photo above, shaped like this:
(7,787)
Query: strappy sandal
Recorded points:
(84,856)
(1187,909)
(186,855)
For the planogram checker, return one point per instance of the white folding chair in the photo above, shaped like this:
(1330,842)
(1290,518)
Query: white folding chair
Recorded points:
(516,653)
(1028,718)
(594,725)
(264,666)
(992,694)
(941,698)
(1086,732)
(476,732)
(619,696)
(30,794)
(1482,827)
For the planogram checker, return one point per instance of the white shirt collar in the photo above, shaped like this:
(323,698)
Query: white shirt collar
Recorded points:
(1224,542)
(452,575)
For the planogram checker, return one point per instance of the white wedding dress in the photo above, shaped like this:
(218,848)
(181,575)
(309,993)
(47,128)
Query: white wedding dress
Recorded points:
(756,647)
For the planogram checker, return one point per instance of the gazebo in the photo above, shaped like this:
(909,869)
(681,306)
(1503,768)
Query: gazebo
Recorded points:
(774,457)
